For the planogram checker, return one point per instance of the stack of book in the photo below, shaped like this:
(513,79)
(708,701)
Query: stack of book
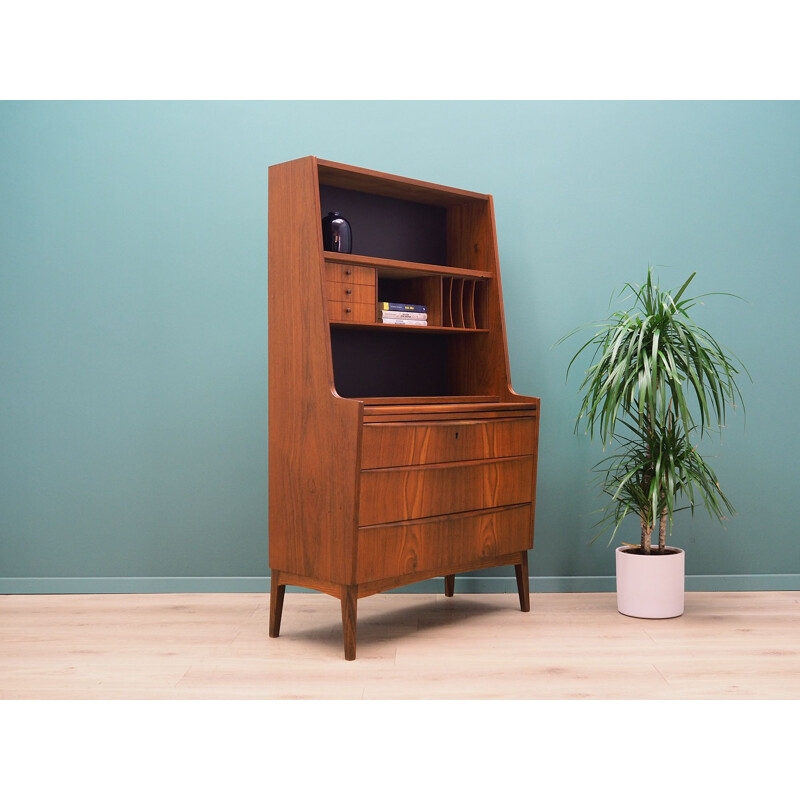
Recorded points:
(403,314)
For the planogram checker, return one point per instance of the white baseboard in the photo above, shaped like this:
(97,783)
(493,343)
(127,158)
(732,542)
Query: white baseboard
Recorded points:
(466,584)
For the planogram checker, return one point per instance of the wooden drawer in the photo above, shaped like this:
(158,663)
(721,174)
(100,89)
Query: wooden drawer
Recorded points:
(391,495)
(400,444)
(441,543)
(339,310)
(351,293)
(348,273)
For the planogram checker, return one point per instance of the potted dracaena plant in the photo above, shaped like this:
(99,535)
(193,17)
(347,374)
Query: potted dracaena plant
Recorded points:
(656,383)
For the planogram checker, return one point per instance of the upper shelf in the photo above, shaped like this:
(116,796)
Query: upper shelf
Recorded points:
(380,183)
(388,267)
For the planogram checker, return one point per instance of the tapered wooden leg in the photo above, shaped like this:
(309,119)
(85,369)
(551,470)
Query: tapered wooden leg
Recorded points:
(349,600)
(276,593)
(523,585)
(449,585)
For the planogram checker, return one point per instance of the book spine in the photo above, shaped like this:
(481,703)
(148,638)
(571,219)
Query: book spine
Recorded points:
(403,307)
(396,321)
(404,315)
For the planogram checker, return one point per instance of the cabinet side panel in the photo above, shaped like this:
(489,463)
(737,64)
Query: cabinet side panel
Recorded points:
(535,471)
(313,435)
(478,364)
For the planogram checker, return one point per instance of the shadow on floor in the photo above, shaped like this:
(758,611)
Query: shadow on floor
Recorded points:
(376,626)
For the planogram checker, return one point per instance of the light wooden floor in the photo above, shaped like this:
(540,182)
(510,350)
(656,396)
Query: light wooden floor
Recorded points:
(727,645)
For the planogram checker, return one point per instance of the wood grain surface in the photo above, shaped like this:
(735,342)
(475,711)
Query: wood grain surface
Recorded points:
(327,351)
(391,445)
(400,493)
(439,543)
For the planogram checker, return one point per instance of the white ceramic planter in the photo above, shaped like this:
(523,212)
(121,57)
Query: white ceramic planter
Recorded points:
(650,587)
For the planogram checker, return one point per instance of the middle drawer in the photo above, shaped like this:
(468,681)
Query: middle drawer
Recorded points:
(351,292)
(400,493)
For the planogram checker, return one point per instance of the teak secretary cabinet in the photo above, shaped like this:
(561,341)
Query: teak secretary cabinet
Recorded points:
(396,453)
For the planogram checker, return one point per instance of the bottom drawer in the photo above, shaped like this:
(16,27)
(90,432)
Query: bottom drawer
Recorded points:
(341,311)
(441,543)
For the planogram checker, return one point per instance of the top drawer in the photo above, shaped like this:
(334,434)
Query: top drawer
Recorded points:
(396,444)
(349,273)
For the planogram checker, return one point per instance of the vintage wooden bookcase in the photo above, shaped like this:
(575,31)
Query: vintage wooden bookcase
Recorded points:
(396,454)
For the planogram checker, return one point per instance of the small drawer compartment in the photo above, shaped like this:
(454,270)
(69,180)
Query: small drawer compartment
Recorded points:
(349,273)
(385,551)
(351,292)
(343,311)
(401,493)
(400,444)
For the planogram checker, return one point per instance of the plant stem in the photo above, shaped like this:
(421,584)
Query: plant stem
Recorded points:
(646,532)
(662,533)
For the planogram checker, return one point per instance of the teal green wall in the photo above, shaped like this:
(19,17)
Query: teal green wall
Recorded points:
(133,329)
